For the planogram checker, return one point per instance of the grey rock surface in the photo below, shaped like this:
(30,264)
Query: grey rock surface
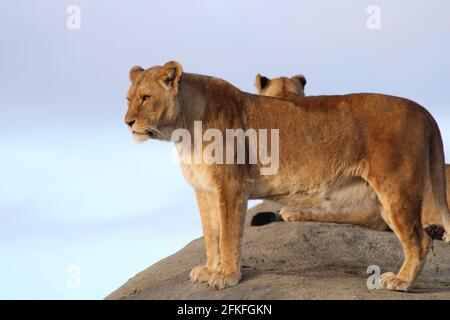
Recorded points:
(296,260)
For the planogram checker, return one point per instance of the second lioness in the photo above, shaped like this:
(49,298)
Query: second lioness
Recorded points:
(293,87)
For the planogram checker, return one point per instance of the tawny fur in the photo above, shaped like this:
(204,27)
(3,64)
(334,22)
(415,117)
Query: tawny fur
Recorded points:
(369,216)
(391,144)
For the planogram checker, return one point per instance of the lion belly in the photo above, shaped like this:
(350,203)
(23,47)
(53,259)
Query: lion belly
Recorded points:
(346,196)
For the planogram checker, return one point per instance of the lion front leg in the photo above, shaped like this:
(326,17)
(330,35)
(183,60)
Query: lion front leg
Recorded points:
(232,208)
(289,215)
(368,217)
(209,213)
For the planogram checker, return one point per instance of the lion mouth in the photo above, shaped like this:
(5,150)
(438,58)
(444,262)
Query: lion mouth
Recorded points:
(147,134)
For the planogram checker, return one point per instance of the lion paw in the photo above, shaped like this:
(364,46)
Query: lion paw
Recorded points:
(390,281)
(200,274)
(221,281)
(446,237)
(288,215)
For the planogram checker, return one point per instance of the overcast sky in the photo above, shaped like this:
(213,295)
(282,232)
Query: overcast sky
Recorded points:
(76,193)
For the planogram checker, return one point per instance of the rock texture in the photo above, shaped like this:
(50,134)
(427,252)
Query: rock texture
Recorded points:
(296,260)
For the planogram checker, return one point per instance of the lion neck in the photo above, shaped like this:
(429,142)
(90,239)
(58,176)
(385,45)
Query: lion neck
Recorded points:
(204,98)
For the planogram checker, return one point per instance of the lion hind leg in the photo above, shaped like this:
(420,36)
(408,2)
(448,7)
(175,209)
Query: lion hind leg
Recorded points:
(405,222)
(402,212)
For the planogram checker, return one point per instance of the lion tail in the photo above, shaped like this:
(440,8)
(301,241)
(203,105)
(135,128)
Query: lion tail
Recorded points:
(437,175)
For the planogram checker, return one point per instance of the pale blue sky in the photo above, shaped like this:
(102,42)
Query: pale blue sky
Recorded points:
(76,190)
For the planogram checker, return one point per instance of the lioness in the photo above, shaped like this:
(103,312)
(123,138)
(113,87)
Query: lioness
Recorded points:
(281,87)
(382,148)
(285,87)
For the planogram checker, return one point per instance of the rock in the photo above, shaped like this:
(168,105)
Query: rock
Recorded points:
(264,213)
(296,260)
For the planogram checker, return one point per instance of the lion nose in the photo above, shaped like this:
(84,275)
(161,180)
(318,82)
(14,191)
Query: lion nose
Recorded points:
(130,123)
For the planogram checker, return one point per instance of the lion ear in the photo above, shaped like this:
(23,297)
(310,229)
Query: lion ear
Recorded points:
(300,78)
(170,74)
(134,72)
(261,82)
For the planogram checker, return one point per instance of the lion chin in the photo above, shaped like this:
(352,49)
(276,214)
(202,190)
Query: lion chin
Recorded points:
(140,137)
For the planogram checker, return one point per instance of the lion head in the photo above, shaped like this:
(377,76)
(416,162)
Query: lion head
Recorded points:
(152,104)
(280,87)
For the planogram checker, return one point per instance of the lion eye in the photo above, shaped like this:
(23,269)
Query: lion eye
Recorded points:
(145,97)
